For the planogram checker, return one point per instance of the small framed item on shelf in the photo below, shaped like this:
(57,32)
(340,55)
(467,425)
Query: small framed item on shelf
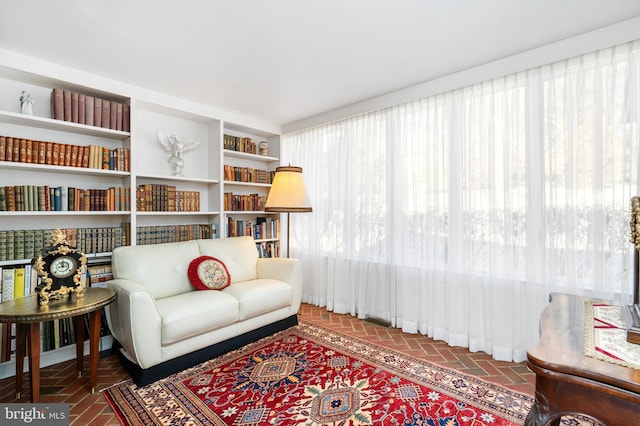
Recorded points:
(60,268)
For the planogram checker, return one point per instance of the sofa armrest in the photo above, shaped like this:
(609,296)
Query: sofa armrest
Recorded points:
(134,321)
(286,270)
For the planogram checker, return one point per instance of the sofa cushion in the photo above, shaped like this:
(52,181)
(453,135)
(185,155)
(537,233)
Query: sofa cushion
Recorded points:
(259,296)
(195,312)
(160,268)
(208,273)
(238,253)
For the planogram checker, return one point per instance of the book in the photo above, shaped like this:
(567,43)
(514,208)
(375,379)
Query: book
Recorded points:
(106,114)
(3,144)
(16,149)
(126,120)
(89,110)
(57,104)
(113,116)
(97,112)
(82,108)
(74,107)
(66,95)
(18,282)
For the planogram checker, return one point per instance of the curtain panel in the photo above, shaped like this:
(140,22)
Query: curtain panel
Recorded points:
(456,215)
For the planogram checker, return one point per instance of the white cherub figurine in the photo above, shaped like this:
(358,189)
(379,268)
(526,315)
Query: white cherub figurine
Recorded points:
(176,147)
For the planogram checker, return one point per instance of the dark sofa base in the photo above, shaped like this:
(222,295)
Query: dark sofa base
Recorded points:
(143,377)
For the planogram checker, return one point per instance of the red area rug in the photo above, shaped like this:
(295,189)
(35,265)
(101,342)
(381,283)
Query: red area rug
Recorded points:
(309,375)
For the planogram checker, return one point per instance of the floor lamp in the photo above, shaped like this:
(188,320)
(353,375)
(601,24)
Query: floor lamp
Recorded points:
(288,194)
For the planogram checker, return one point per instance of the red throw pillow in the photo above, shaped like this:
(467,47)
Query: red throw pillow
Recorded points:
(208,273)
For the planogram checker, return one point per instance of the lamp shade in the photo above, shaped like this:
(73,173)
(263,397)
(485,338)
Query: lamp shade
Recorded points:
(288,192)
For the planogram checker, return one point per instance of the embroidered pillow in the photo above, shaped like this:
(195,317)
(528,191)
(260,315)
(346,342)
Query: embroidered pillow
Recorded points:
(208,273)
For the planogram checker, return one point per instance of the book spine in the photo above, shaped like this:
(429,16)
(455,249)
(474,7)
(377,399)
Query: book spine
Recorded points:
(57,104)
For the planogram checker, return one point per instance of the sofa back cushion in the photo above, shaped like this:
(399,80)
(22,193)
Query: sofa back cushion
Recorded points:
(161,268)
(239,254)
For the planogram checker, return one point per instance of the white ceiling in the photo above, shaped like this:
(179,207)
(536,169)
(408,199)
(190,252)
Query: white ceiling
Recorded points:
(284,60)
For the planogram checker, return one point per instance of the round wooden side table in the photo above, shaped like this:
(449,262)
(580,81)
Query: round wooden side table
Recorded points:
(27,313)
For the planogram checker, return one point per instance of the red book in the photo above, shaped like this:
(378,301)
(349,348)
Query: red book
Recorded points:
(57,104)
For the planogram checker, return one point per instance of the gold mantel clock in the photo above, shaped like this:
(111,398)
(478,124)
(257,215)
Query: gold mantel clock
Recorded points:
(60,268)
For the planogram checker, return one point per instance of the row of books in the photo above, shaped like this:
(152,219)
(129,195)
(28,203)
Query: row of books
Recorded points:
(63,198)
(90,110)
(151,197)
(262,228)
(174,233)
(21,150)
(20,244)
(247,174)
(244,202)
(17,282)
(268,249)
(240,144)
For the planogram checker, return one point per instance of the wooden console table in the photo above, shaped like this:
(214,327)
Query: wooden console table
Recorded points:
(568,382)
(28,314)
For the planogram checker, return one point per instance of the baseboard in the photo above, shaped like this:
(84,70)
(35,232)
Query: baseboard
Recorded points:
(144,376)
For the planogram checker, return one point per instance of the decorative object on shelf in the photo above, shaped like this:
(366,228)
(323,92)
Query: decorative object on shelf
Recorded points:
(176,147)
(60,267)
(264,148)
(288,194)
(26,103)
(632,312)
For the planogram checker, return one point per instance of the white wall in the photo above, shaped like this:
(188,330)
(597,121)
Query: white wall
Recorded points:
(589,42)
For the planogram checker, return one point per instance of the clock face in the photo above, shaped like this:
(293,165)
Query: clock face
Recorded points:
(63,266)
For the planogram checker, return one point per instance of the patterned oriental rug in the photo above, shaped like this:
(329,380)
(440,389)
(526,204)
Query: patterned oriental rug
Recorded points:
(308,375)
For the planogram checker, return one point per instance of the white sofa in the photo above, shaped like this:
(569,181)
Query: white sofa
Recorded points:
(163,325)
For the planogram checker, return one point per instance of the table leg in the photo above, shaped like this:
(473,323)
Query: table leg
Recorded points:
(79,319)
(94,340)
(34,360)
(21,343)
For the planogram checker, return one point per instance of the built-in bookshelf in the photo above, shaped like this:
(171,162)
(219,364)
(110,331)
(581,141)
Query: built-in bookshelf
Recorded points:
(89,160)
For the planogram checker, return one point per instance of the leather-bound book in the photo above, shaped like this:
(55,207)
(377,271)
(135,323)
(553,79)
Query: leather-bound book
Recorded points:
(97,112)
(106,114)
(67,105)
(57,104)
(75,107)
(89,110)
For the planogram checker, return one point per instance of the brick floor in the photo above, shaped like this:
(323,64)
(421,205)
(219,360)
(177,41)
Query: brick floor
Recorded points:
(59,383)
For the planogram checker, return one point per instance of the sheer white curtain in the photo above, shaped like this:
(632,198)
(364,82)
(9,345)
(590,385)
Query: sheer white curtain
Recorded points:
(456,215)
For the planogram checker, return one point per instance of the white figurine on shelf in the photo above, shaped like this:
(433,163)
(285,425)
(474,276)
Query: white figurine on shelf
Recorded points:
(26,103)
(176,147)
